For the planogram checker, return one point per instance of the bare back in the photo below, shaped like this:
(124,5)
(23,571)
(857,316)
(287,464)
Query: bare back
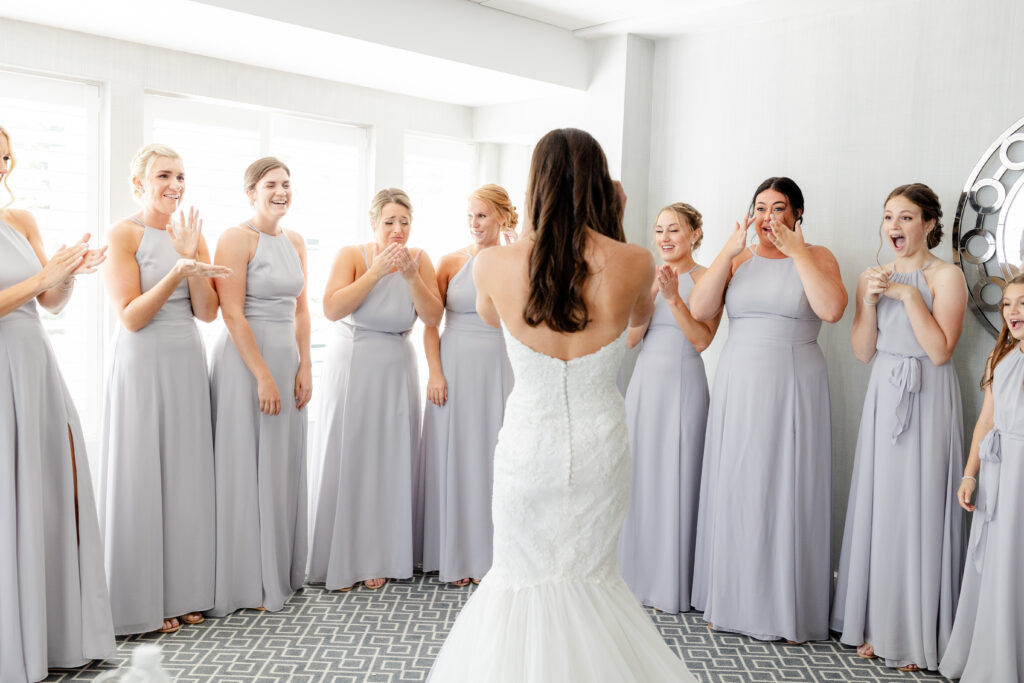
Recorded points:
(616,292)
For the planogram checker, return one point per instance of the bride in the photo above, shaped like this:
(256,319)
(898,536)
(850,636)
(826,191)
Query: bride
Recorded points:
(554,606)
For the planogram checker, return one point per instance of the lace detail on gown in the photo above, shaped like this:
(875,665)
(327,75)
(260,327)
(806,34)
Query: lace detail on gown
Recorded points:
(554,606)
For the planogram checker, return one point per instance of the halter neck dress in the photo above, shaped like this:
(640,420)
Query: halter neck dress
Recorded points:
(156,488)
(666,411)
(369,426)
(900,566)
(56,610)
(454,525)
(260,459)
(987,641)
(763,554)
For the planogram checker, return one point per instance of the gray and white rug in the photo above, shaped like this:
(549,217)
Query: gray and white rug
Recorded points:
(394,634)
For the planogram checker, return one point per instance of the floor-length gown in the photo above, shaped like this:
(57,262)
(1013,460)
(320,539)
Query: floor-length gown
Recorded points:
(260,460)
(763,559)
(369,428)
(554,607)
(458,439)
(156,475)
(666,410)
(54,607)
(987,642)
(899,571)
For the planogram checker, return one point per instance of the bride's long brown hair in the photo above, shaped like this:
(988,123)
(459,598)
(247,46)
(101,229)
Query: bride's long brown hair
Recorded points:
(569,190)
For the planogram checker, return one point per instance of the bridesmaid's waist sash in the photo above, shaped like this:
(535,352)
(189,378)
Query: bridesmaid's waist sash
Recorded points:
(773,330)
(991,455)
(468,322)
(346,329)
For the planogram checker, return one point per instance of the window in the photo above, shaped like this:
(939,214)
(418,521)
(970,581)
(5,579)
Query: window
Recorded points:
(439,175)
(55,136)
(329,168)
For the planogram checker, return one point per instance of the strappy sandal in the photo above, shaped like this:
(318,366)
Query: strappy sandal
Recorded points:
(909,668)
(170,626)
(866,651)
(192,618)
(461,583)
(383,582)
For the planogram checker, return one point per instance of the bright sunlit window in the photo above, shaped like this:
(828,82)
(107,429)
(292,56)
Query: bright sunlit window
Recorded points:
(55,136)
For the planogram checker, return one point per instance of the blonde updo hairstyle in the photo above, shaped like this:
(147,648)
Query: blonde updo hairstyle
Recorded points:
(390,195)
(10,167)
(143,159)
(689,215)
(497,198)
(260,168)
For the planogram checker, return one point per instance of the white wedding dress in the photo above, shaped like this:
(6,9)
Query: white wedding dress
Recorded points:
(554,606)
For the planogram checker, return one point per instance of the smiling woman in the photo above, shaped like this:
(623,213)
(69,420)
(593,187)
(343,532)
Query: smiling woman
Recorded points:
(157,442)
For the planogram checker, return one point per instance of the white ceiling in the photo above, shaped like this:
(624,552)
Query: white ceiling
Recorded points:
(468,52)
(666,18)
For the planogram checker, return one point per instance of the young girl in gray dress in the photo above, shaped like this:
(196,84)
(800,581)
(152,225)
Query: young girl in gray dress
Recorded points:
(370,415)
(899,571)
(470,378)
(56,612)
(157,440)
(763,560)
(666,410)
(261,382)
(987,642)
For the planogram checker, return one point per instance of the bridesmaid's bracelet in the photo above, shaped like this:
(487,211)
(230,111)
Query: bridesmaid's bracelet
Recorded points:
(967,476)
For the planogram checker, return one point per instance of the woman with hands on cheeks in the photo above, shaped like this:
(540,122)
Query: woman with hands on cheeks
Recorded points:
(988,634)
(157,441)
(470,378)
(261,382)
(370,419)
(898,582)
(667,410)
(56,612)
(763,559)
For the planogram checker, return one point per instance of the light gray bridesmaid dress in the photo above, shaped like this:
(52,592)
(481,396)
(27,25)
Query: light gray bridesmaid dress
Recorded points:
(763,556)
(156,475)
(458,440)
(369,428)
(987,641)
(899,571)
(260,460)
(667,411)
(54,608)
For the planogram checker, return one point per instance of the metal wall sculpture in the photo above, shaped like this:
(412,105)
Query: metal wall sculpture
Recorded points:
(988,233)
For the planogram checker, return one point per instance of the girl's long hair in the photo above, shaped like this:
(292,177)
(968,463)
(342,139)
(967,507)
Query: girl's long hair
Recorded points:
(569,190)
(1004,342)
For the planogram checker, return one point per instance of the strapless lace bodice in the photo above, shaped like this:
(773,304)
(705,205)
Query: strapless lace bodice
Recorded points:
(561,467)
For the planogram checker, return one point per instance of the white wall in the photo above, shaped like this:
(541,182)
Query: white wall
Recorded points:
(849,106)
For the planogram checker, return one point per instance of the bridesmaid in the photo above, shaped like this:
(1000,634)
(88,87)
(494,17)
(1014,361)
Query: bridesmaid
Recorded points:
(370,418)
(260,384)
(898,582)
(56,612)
(666,410)
(470,378)
(157,440)
(987,641)
(763,561)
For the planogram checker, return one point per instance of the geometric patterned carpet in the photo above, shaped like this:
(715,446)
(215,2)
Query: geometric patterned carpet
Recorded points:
(394,634)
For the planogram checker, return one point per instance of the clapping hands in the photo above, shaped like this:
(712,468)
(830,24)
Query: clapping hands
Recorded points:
(186,233)
(78,259)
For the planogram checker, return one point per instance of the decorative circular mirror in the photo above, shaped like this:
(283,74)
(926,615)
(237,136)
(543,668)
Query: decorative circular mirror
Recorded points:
(988,232)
